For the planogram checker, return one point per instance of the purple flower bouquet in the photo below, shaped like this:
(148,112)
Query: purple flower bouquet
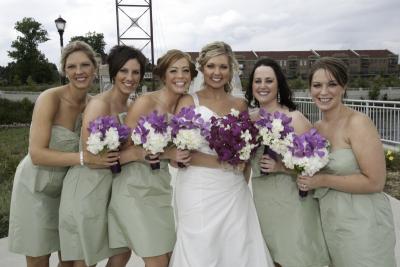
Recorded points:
(275,133)
(188,130)
(233,137)
(107,134)
(153,134)
(307,154)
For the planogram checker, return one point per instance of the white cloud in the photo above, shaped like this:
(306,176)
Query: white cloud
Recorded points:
(246,25)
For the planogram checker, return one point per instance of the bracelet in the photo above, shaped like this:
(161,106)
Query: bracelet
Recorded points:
(81,158)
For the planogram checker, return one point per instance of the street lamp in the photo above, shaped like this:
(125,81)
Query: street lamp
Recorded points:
(60,24)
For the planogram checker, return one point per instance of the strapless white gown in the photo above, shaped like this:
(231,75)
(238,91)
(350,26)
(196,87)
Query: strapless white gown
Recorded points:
(216,220)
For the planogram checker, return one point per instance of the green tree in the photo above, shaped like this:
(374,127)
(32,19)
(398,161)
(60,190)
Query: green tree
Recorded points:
(29,61)
(95,40)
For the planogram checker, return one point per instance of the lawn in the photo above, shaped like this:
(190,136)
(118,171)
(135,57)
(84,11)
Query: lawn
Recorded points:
(14,146)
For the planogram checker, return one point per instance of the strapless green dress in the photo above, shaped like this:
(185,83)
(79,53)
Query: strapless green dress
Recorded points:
(35,200)
(83,215)
(140,213)
(358,228)
(291,226)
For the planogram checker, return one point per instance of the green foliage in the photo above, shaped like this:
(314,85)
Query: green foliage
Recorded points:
(29,61)
(95,40)
(15,111)
(13,147)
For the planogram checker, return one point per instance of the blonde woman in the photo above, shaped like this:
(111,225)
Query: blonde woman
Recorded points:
(217,224)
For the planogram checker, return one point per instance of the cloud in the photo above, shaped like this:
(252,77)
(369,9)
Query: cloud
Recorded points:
(246,25)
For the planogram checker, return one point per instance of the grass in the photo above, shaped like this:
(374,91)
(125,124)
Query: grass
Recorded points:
(14,146)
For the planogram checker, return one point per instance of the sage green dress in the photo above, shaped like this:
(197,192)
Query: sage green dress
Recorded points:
(33,228)
(358,228)
(291,226)
(140,213)
(83,215)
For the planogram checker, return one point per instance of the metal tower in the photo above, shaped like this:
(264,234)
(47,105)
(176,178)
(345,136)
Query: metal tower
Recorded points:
(135,25)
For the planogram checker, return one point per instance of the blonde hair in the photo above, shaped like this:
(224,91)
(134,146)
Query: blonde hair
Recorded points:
(216,49)
(76,46)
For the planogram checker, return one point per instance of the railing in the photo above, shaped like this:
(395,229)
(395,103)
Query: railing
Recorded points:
(384,114)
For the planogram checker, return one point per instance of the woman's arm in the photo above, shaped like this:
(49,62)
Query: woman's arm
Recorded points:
(46,107)
(365,142)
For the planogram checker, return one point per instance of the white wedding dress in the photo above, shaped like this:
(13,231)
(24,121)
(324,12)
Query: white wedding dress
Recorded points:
(216,220)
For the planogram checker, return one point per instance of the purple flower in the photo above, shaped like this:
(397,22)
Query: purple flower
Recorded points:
(188,119)
(234,138)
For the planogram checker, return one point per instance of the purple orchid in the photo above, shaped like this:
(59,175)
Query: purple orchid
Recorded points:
(234,138)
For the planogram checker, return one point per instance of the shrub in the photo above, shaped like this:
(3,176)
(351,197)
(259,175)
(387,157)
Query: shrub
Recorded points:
(15,111)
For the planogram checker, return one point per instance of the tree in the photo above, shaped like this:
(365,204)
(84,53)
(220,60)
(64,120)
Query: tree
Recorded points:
(95,40)
(29,61)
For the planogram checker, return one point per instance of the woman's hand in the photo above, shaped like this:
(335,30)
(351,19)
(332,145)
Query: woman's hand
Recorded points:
(306,183)
(178,155)
(152,158)
(269,165)
(101,160)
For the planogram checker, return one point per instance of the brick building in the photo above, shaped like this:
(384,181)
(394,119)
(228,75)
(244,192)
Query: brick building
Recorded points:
(362,63)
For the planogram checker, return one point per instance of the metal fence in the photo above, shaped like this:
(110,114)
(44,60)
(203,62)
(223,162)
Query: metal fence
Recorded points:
(385,115)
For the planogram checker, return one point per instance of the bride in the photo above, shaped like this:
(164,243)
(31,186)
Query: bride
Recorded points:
(215,215)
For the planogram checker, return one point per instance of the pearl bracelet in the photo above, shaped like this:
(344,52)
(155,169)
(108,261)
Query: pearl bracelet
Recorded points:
(81,158)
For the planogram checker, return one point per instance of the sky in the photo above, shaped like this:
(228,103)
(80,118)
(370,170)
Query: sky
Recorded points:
(271,25)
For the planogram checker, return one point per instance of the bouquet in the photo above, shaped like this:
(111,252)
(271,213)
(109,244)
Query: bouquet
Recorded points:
(188,130)
(233,137)
(307,154)
(275,132)
(153,134)
(107,134)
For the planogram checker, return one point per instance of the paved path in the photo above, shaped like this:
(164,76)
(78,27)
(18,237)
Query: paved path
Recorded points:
(8,259)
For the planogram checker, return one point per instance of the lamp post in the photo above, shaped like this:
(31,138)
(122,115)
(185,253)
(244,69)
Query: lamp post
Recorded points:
(60,24)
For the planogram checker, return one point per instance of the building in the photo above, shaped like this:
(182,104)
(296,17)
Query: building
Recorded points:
(361,63)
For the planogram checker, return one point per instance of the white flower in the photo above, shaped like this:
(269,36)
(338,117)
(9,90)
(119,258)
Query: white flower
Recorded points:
(277,127)
(111,139)
(156,142)
(235,112)
(188,139)
(246,136)
(94,143)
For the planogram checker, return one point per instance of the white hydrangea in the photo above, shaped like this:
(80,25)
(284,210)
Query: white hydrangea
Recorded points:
(309,166)
(188,139)
(246,136)
(94,143)
(156,142)
(111,139)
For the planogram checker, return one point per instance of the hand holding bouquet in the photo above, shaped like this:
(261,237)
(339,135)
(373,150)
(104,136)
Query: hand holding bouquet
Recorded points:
(275,133)
(233,137)
(107,134)
(153,134)
(188,130)
(307,154)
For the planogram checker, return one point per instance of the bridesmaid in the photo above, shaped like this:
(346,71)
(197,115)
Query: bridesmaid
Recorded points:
(140,213)
(53,146)
(86,191)
(291,227)
(356,216)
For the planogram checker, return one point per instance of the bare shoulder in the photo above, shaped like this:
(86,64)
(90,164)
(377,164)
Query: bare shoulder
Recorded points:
(184,101)
(239,103)
(299,122)
(143,104)
(357,122)
(51,95)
